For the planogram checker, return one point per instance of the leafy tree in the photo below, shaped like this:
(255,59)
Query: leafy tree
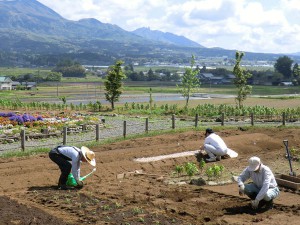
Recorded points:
(152,75)
(240,80)
(203,69)
(190,82)
(175,77)
(113,83)
(128,68)
(69,68)
(277,78)
(283,65)
(54,76)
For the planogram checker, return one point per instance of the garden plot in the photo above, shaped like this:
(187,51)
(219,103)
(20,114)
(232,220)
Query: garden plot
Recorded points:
(28,184)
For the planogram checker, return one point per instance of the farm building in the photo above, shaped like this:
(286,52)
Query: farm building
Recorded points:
(5,83)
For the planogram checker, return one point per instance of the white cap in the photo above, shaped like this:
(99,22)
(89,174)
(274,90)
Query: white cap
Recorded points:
(254,163)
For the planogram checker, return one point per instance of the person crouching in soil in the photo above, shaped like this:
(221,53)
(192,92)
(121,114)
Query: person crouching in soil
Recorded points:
(264,187)
(214,146)
(69,158)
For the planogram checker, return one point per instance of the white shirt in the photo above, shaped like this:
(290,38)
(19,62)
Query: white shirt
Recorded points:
(263,179)
(75,155)
(216,141)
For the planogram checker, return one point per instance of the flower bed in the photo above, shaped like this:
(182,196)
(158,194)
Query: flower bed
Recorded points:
(12,123)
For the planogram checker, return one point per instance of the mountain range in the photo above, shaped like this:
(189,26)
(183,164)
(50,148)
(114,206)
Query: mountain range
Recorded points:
(29,29)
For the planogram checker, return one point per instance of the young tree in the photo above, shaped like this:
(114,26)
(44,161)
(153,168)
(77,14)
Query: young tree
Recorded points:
(150,99)
(296,74)
(190,82)
(240,80)
(113,83)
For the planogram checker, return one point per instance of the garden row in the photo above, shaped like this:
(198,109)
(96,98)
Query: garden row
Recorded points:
(203,110)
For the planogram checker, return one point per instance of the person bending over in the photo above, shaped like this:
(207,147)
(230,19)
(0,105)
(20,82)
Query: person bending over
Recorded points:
(68,159)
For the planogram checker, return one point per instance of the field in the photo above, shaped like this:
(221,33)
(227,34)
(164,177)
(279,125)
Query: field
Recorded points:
(123,191)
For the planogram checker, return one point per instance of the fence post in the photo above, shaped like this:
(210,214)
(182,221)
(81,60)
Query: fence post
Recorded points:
(65,134)
(283,118)
(83,127)
(252,119)
(196,120)
(97,132)
(173,121)
(22,134)
(124,129)
(147,125)
(222,119)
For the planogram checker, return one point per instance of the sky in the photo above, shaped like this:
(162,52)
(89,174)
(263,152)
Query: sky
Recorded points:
(266,26)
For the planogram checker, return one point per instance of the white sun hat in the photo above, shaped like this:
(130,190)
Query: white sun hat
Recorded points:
(88,155)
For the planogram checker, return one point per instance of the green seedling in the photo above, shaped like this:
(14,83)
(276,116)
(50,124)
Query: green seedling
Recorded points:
(202,164)
(215,171)
(106,207)
(190,169)
(179,169)
(137,210)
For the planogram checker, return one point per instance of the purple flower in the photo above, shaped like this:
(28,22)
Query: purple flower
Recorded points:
(10,114)
(32,118)
(39,118)
(19,119)
(25,117)
(13,118)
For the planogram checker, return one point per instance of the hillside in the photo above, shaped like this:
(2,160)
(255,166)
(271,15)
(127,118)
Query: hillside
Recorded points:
(33,34)
(166,37)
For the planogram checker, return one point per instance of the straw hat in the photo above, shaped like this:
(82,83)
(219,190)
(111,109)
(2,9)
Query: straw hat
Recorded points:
(254,163)
(88,155)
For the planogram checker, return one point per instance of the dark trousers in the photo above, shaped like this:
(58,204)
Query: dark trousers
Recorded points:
(64,165)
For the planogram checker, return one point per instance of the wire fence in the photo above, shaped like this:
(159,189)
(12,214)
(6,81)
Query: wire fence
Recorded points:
(114,127)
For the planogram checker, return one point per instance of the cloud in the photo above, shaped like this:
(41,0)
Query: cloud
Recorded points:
(269,26)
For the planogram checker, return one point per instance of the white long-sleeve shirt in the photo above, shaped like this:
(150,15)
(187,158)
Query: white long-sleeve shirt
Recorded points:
(216,141)
(263,179)
(75,155)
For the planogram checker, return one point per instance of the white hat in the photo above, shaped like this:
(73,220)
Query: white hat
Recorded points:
(88,155)
(254,163)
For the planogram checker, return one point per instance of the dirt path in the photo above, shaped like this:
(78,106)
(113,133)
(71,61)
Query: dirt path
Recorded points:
(28,194)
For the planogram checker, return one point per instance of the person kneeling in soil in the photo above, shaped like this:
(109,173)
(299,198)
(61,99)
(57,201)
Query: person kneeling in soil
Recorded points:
(264,187)
(69,158)
(214,146)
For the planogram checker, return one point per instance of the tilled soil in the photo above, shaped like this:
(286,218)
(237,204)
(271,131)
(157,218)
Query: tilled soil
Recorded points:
(123,191)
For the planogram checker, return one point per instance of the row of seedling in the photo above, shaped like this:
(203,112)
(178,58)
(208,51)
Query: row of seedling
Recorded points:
(191,169)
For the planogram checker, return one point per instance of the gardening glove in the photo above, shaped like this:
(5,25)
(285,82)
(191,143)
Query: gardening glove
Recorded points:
(242,189)
(254,204)
(79,184)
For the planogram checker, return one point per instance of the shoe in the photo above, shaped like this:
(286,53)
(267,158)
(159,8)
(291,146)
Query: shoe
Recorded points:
(218,158)
(211,159)
(269,204)
(65,187)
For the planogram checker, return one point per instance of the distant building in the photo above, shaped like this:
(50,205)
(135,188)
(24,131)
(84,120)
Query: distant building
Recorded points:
(29,85)
(5,83)
(206,76)
(15,84)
